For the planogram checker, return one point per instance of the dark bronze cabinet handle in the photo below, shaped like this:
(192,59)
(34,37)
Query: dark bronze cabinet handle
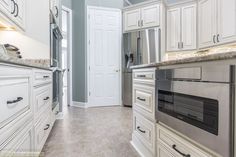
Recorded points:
(47,98)
(17,7)
(217,38)
(14,9)
(45,76)
(142,131)
(184,155)
(141,99)
(57,11)
(15,101)
(214,39)
(47,127)
(141,76)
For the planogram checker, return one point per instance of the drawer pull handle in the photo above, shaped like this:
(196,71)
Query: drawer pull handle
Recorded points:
(15,101)
(45,76)
(143,76)
(141,99)
(47,127)
(142,131)
(184,155)
(47,98)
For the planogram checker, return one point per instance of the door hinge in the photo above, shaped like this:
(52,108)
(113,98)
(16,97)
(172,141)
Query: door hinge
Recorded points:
(89,68)
(89,42)
(89,93)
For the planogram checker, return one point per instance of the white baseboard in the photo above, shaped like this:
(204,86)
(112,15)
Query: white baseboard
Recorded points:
(79,104)
(60,116)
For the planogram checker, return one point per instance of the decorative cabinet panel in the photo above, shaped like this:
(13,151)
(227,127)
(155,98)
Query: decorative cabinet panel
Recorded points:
(132,19)
(150,16)
(142,17)
(217,22)
(181,28)
(206,23)
(173,29)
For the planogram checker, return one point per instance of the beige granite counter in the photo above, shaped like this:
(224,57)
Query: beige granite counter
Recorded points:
(34,63)
(204,57)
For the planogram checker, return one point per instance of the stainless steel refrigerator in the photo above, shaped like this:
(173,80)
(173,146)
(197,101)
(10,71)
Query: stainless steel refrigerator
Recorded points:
(140,47)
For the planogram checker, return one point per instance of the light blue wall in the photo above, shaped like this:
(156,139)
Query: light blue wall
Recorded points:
(79,8)
(67,3)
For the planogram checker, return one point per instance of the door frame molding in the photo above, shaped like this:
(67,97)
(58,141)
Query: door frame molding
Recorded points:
(70,50)
(88,104)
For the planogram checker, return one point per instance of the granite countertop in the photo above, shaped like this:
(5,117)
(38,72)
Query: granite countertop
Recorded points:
(199,58)
(34,63)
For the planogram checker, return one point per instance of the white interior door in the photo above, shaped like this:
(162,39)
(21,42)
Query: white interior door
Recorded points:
(104,56)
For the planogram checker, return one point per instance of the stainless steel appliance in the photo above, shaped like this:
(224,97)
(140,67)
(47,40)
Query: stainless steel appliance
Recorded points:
(140,47)
(55,56)
(199,103)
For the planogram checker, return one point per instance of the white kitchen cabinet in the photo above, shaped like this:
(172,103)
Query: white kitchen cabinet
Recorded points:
(14,11)
(189,27)
(6,6)
(132,19)
(217,22)
(226,21)
(176,145)
(173,29)
(20,15)
(150,16)
(55,6)
(181,28)
(141,17)
(206,23)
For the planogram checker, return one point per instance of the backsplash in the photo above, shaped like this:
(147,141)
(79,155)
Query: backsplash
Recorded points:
(189,54)
(29,47)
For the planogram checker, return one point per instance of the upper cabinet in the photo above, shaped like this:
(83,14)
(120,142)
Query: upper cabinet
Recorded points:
(141,17)
(55,6)
(217,22)
(14,10)
(181,28)
(132,19)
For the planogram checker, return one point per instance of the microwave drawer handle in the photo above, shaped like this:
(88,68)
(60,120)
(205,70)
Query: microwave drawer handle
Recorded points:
(184,155)
(141,99)
(139,129)
(142,76)
(45,76)
(15,101)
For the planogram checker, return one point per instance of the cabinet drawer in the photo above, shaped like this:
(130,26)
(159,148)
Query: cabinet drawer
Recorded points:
(178,144)
(15,98)
(144,100)
(42,130)
(144,75)
(42,77)
(162,151)
(145,131)
(42,99)
(20,143)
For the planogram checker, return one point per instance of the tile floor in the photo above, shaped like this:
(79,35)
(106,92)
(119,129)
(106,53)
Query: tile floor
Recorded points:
(93,132)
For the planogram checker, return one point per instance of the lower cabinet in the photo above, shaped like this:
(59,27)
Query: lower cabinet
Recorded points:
(170,144)
(42,130)
(20,144)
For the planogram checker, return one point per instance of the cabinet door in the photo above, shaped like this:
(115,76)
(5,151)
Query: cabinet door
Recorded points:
(20,13)
(150,16)
(131,20)
(207,23)
(173,29)
(6,6)
(162,151)
(226,21)
(189,28)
